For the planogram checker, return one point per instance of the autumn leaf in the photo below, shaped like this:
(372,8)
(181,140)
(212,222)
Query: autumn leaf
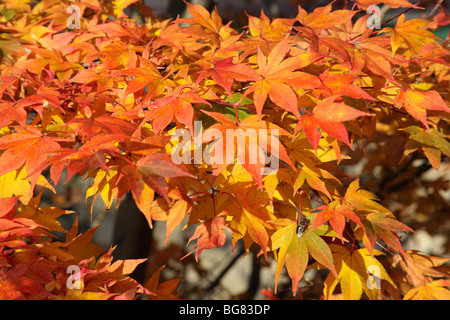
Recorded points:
(15,286)
(120,5)
(416,103)
(176,104)
(277,78)
(259,138)
(294,249)
(211,24)
(370,53)
(432,142)
(316,19)
(173,213)
(265,28)
(209,234)
(412,33)
(363,199)
(341,84)
(164,290)
(354,268)
(381,225)
(419,267)
(436,290)
(336,215)
(27,146)
(44,216)
(364,4)
(149,176)
(379,221)
(224,73)
(328,115)
(18,183)
(146,75)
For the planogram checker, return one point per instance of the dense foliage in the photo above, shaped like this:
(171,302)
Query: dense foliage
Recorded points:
(105,100)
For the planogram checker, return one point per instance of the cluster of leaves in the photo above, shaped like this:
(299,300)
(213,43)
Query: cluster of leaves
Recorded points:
(103,101)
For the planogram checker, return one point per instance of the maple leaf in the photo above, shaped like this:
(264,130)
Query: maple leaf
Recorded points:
(119,5)
(146,75)
(250,217)
(436,290)
(416,103)
(324,17)
(117,55)
(162,291)
(432,52)
(353,268)
(14,285)
(224,72)
(149,176)
(104,184)
(364,4)
(379,222)
(114,29)
(412,33)
(210,24)
(266,29)
(26,146)
(254,148)
(432,142)
(369,52)
(88,127)
(363,199)
(277,77)
(44,216)
(420,267)
(90,154)
(173,214)
(294,249)
(10,111)
(328,116)
(314,175)
(178,104)
(341,84)
(381,225)
(336,215)
(209,234)
(17,183)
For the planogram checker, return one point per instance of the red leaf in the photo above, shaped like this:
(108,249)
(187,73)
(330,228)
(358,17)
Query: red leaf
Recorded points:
(328,115)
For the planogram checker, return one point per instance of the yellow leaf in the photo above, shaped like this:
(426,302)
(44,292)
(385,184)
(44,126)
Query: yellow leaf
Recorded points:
(102,185)
(412,33)
(16,183)
(435,290)
(358,272)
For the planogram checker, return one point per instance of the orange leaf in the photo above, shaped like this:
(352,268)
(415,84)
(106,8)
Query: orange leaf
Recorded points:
(26,146)
(328,116)
(417,102)
(209,234)
(224,72)
(277,77)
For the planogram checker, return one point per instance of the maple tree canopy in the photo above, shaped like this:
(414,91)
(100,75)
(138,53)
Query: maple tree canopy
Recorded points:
(103,100)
